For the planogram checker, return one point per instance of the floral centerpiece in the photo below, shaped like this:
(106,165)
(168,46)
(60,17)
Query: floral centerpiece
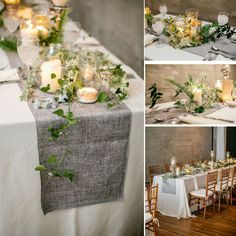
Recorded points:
(148,17)
(200,95)
(187,31)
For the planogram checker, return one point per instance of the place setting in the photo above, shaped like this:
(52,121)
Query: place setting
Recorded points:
(187,37)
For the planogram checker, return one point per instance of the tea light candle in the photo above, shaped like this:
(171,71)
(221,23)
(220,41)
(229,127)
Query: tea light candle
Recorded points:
(198,96)
(60,3)
(47,69)
(227,88)
(88,95)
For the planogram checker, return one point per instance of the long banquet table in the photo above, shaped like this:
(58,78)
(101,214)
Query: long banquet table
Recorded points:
(168,53)
(173,194)
(20,189)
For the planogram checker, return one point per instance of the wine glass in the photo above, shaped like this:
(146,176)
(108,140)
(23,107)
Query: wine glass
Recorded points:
(158,27)
(11,22)
(223,18)
(28,51)
(72,31)
(163,10)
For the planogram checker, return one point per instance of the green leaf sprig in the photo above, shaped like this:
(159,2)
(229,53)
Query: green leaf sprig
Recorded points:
(155,94)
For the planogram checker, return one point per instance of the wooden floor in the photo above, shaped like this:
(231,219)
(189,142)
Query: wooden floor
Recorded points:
(221,223)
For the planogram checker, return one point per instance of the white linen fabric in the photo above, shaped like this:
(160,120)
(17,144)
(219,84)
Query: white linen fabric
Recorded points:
(20,205)
(175,205)
(226,113)
(189,119)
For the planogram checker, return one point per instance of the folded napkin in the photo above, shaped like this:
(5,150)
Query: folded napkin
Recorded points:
(9,75)
(222,44)
(232,104)
(226,113)
(149,39)
(199,120)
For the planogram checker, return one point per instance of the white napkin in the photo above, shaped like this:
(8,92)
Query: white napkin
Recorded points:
(232,104)
(221,58)
(149,38)
(226,113)
(199,120)
(9,75)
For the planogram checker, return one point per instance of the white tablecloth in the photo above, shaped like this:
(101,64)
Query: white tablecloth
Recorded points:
(168,53)
(20,206)
(175,203)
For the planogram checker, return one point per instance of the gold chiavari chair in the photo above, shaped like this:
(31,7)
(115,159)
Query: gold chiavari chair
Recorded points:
(151,221)
(167,166)
(232,183)
(222,186)
(153,170)
(203,196)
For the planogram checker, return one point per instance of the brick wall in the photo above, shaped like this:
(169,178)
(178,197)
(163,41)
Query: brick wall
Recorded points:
(184,143)
(158,74)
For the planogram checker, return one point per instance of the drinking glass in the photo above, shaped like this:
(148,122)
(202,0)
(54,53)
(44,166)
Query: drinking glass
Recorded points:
(11,22)
(223,18)
(158,27)
(72,31)
(28,51)
(163,10)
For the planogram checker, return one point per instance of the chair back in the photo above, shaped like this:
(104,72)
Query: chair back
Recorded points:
(151,200)
(153,170)
(233,176)
(211,182)
(224,178)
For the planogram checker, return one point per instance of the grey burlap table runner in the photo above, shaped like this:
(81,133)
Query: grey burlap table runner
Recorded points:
(223,44)
(99,146)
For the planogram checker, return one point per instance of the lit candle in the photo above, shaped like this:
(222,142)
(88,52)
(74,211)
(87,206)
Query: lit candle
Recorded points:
(28,31)
(42,31)
(47,69)
(88,95)
(12,2)
(60,3)
(88,72)
(24,13)
(177,170)
(198,96)
(227,88)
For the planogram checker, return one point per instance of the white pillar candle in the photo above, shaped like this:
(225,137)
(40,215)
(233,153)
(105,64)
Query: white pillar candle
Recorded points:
(88,95)
(198,96)
(47,69)
(60,3)
(177,170)
(227,88)
(218,84)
